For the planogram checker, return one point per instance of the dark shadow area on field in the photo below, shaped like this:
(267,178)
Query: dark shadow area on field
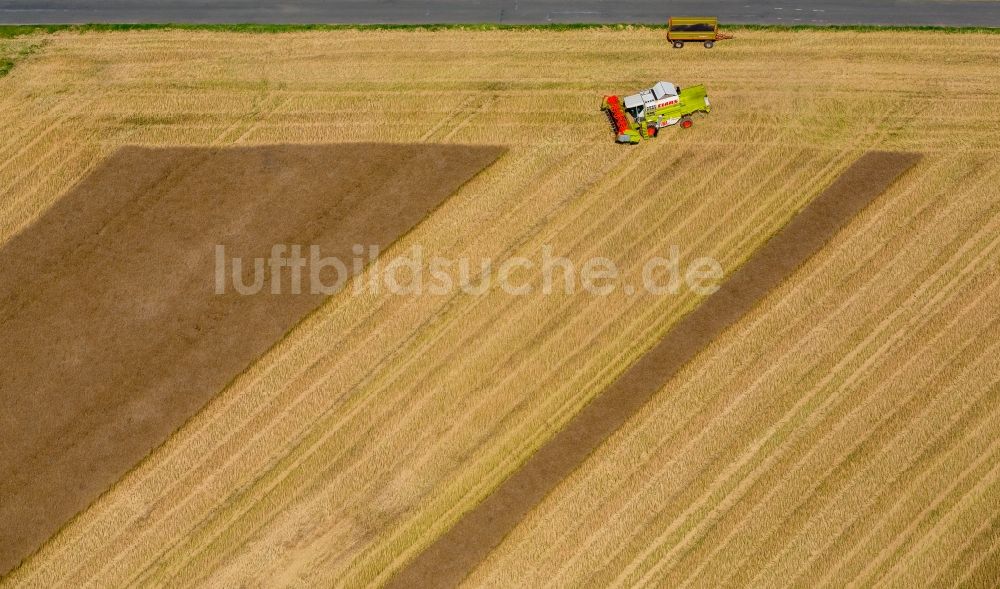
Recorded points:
(111,333)
(447,561)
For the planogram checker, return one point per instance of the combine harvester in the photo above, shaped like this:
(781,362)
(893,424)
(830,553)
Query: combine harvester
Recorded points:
(642,115)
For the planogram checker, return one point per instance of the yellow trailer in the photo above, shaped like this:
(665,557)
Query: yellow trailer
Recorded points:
(694,29)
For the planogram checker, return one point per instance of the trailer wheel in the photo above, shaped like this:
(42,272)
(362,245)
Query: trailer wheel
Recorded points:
(686,123)
(678,44)
(709,44)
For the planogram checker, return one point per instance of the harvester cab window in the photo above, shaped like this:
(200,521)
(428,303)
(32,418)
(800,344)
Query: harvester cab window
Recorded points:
(634,104)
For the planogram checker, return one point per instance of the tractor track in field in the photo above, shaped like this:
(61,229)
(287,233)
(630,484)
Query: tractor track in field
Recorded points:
(453,555)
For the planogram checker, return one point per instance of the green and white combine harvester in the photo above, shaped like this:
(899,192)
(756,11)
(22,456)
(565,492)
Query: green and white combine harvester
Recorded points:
(641,116)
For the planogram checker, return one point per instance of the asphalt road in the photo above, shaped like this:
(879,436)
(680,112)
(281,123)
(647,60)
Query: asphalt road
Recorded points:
(900,12)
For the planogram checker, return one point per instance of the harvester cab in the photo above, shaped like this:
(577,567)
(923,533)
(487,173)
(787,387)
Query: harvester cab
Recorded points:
(643,114)
(662,92)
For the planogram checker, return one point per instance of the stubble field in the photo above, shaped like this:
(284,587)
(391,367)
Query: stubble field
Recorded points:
(844,430)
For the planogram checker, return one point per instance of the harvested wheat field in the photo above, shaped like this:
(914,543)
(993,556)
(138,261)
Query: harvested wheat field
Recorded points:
(844,430)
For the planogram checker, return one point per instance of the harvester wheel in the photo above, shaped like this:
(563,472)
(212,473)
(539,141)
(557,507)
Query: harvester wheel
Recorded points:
(651,131)
(709,44)
(678,44)
(686,123)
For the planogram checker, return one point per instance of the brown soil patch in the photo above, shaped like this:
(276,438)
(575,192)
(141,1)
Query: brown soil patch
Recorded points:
(456,553)
(112,334)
